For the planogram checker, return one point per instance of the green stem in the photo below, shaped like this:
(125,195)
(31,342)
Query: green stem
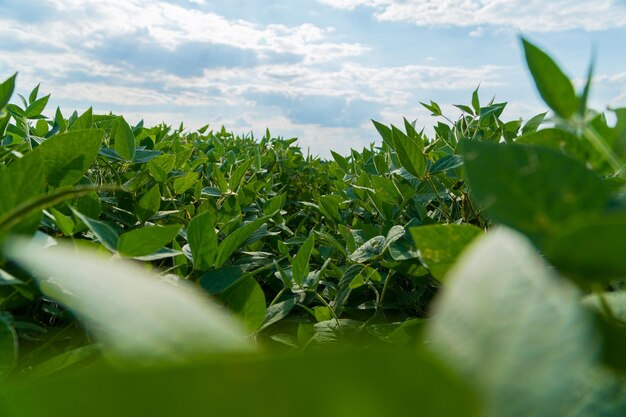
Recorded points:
(601,146)
(280,294)
(604,304)
(40,202)
(384,291)
(442,205)
(332,312)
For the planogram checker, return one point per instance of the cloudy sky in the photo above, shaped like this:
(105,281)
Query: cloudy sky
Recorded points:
(314,69)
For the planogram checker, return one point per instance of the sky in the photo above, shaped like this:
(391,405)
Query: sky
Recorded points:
(318,70)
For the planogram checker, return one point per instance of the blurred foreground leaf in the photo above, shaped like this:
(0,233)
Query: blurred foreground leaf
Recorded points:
(137,316)
(527,344)
(314,384)
(532,189)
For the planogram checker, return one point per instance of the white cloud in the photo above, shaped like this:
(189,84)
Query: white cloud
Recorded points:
(610,78)
(351,81)
(524,15)
(170,25)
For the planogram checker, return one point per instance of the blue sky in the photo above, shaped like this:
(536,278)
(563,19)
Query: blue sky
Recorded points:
(318,70)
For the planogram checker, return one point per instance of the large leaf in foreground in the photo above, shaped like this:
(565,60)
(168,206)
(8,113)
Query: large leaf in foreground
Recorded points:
(353,383)
(520,334)
(136,315)
(591,252)
(532,189)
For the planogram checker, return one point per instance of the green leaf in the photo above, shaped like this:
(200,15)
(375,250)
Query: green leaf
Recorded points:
(234,240)
(300,267)
(535,190)
(143,156)
(511,130)
(557,139)
(533,124)
(64,223)
(162,165)
(440,245)
(554,86)
(329,206)
(403,249)
(8,348)
(182,184)
(410,152)
(219,280)
(591,251)
(393,235)
(409,381)
(211,192)
(280,310)
(433,107)
(218,176)
(490,112)
(105,234)
(341,161)
(465,109)
(137,316)
(21,181)
(385,133)
(89,204)
(476,101)
(5,118)
(68,156)
(384,189)
(59,120)
(6,91)
(85,121)
(247,300)
(519,334)
(446,163)
(275,204)
(146,240)
(33,94)
(369,250)
(238,175)
(202,241)
(36,107)
(123,139)
(149,204)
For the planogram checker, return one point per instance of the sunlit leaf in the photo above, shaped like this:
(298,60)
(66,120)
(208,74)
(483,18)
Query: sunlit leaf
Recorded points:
(125,306)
